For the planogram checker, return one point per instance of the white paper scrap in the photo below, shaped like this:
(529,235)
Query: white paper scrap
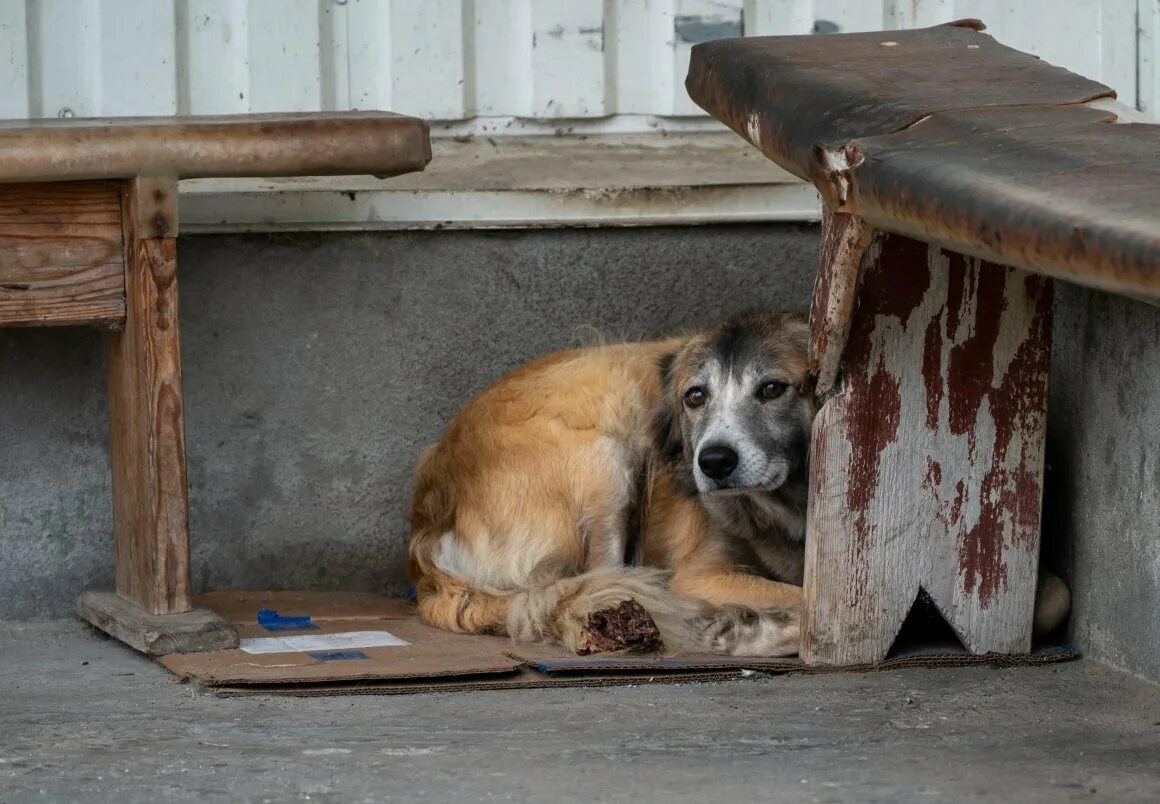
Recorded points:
(343,641)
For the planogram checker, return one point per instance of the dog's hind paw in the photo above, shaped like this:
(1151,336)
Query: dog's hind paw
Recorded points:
(744,632)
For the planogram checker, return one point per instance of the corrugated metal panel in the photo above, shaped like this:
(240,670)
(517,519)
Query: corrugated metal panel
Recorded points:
(461,59)
(1148,70)
(13,59)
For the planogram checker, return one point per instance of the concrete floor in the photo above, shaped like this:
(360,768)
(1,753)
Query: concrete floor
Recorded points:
(82,718)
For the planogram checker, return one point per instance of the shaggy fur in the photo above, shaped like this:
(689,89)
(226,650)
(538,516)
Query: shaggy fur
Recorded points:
(525,511)
(686,457)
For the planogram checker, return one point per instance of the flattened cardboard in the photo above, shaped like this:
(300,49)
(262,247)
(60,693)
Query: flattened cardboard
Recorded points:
(431,653)
(439,661)
(242,606)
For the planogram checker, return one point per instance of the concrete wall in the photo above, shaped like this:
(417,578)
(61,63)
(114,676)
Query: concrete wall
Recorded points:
(1102,499)
(317,368)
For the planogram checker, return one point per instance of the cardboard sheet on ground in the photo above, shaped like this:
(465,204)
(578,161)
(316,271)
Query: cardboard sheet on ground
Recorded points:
(327,643)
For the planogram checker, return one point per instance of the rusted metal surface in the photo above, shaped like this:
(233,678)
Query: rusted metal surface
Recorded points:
(315,144)
(947,136)
(845,239)
(927,464)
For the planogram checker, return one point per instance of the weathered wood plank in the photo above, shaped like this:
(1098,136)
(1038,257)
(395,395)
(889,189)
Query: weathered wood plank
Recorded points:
(155,634)
(61,254)
(308,144)
(845,241)
(147,430)
(927,465)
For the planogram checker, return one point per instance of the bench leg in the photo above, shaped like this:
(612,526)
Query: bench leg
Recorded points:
(927,462)
(147,439)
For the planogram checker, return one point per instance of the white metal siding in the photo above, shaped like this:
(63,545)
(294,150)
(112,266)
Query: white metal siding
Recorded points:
(462,59)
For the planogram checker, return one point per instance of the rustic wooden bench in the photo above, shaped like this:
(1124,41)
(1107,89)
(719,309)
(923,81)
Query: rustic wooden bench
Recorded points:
(88,227)
(958,176)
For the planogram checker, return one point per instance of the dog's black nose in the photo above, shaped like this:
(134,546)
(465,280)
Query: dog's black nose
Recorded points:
(717,461)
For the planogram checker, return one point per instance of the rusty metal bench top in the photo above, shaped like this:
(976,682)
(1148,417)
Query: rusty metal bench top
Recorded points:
(308,144)
(947,136)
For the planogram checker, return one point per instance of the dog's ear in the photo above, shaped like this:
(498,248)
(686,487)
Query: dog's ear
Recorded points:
(666,420)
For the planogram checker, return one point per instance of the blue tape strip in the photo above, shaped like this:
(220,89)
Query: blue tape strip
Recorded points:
(273,621)
(336,655)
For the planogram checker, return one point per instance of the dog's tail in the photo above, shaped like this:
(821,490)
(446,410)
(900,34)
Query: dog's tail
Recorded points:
(605,610)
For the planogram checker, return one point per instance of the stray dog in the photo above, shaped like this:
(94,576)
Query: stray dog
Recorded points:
(632,495)
(685,455)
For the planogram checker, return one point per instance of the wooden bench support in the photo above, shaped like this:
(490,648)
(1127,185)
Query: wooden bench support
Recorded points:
(927,462)
(146,425)
(147,445)
(88,228)
(155,634)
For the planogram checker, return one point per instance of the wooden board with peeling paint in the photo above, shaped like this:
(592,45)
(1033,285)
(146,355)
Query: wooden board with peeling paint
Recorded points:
(927,464)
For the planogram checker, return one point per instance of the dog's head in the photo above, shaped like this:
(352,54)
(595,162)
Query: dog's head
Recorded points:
(733,415)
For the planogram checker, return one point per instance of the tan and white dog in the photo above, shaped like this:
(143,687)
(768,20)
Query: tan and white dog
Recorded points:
(686,456)
(671,474)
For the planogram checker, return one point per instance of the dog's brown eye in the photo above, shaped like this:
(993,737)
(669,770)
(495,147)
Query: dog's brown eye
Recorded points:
(695,397)
(771,390)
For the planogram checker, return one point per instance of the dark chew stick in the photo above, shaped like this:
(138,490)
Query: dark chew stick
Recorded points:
(629,626)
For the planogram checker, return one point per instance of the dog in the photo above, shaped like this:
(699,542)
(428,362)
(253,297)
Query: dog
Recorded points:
(669,476)
(685,456)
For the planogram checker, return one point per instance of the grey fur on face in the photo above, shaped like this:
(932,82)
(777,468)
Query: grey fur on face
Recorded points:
(734,422)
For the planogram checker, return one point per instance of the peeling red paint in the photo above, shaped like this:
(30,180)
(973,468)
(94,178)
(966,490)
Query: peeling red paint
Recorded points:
(981,547)
(874,416)
(819,334)
(933,473)
(909,281)
(1024,501)
(960,499)
(971,367)
(932,370)
(957,278)
(981,559)
(1022,393)
(1009,505)
(988,502)
(870,431)
(1014,493)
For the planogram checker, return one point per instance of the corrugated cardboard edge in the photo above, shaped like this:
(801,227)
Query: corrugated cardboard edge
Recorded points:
(632,674)
(916,658)
(522,679)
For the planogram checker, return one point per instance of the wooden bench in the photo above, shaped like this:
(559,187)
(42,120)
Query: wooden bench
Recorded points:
(958,176)
(88,227)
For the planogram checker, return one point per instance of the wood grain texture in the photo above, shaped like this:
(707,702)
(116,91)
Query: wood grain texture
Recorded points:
(147,430)
(307,144)
(193,631)
(61,254)
(927,465)
(845,240)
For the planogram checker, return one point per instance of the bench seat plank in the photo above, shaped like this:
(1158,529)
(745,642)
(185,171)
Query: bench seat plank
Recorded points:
(945,135)
(305,144)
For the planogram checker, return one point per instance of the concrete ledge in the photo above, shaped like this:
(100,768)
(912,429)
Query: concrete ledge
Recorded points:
(521,182)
